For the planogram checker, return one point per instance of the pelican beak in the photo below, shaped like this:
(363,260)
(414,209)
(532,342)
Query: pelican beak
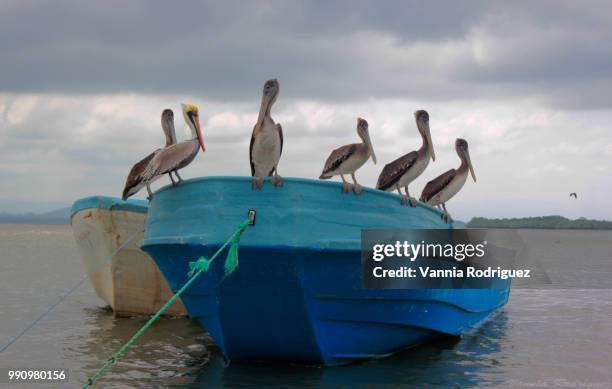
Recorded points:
(192,118)
(369,142)
(195,121)
(199,132)
(469,162)
(431,148)
(263,109)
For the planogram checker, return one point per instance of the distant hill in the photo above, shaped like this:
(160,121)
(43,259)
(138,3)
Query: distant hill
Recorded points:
(544,222)
(59,216)
(459,224)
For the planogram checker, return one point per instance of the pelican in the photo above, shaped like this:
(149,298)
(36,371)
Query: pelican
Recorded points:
(348,158)
(439,190)
(405,169)
(134,182)
(176,156)
(266,141)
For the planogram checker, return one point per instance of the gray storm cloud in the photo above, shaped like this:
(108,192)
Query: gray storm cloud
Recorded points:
(556,51)
(529,85)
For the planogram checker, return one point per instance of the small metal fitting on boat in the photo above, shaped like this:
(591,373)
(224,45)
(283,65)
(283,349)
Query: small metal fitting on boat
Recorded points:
(252,214)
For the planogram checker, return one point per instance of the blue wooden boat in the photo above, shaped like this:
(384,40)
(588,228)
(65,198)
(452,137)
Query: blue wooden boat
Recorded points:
(297,295)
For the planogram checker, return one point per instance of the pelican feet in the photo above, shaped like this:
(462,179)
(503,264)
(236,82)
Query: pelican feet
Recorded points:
(257,183)
(346,187)
(407,200)
(149,192)
(180,179)
(446,217)
(276,180)
(357,189)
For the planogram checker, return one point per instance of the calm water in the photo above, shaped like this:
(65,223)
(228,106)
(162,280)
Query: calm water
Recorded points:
(543,338)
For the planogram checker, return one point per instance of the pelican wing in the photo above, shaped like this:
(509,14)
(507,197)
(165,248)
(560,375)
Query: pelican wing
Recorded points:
(135,179)
(434,186)
(251,152)
(171,158)
(393,171)
(280,134)
(337,158)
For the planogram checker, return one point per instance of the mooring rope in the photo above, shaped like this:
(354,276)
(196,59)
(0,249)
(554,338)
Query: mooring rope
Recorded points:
(63,297)
(197,267)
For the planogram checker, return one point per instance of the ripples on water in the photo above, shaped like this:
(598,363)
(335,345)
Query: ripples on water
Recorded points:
(543,338)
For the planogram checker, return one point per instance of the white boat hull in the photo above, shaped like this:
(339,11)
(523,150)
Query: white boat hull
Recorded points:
(126,279)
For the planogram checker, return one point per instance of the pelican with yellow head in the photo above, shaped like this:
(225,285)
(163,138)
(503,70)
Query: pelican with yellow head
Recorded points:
(177,156)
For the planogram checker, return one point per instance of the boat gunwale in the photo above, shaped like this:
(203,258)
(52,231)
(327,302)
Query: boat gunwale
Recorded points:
(297,180)
(202,240)
(109,203)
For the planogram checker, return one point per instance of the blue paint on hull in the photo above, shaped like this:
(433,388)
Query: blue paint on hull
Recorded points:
(297,295)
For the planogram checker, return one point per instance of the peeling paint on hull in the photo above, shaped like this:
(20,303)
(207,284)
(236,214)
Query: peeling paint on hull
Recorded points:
(130,282)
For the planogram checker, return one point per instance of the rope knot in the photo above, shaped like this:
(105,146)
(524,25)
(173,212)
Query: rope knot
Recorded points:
(201,265)
(231,261)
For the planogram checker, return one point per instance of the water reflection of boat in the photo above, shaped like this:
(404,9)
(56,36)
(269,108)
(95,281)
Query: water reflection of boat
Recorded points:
(126,279)
(446,362)
(297,294)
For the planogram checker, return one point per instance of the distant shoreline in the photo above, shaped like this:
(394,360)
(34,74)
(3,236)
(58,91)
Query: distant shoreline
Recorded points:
(35,222)
(59,216)
(62,216)
(541,222)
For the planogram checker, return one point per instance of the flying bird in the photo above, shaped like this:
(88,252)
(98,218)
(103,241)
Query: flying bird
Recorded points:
(405,169)
(441,189)
(266,141)
(348,158)
(177,156)
(134,181)
(574,195)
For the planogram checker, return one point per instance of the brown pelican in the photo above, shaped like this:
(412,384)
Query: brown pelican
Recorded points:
(405,169)
(176,156)
(134,182)
(439,190)
(348,158)
(266,141)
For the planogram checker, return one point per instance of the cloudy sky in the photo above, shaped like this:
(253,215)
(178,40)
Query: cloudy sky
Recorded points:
(528,84)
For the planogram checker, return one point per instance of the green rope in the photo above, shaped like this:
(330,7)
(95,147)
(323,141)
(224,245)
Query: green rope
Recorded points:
(231,261)
(197,268)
